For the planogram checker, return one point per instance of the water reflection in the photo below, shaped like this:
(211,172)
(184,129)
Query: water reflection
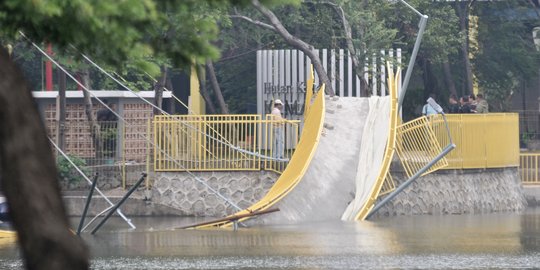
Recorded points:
(306,240)
(503,241)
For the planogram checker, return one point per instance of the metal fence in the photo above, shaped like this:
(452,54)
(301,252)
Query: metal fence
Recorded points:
(482,140)
(528,168)
(222,142)
(417,145)
(118,152)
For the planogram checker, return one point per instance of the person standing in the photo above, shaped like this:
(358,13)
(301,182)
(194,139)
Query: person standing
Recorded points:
(453,105)
(278,147)
(427,110)
(465,105)
(482,105)
(472,102)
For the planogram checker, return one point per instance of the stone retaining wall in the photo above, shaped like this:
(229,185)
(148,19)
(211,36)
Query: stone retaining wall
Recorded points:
(441,193)
(459,192)
(181,191)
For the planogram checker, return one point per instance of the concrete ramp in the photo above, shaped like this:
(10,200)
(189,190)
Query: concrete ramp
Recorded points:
(372,152)
(336,172)
(328,185)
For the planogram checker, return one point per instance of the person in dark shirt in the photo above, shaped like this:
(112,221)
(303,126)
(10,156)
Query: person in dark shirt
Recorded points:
(453,105)
(465,105)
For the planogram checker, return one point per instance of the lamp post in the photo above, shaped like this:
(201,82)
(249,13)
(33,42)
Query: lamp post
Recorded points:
(421,29)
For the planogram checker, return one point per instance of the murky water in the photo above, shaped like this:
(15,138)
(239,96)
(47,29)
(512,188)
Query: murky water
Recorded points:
(492,241)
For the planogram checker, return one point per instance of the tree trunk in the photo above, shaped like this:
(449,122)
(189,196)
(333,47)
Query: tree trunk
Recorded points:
(215,85)
(92,123)
(430,80)
(296,43)
(448,78)
(158,90)
(357,64)
(463,13)
(204,90)
(29,180)
(62,109)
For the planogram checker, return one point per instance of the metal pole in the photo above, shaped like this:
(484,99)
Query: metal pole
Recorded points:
(88,199)
(411,7)
(411,180)
(128,221)
(117,205)
(422,28)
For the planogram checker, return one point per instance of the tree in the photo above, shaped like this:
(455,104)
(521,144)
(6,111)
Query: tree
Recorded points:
(506,57)
(276,26)
(111,30)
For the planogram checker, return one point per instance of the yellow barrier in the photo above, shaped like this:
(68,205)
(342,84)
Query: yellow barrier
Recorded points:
(297,166)
(482,140)
(529,164)
(388,186)
(417,145)
(220,142)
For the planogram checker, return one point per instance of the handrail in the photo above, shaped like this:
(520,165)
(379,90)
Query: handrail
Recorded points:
(186,138)
(482,140)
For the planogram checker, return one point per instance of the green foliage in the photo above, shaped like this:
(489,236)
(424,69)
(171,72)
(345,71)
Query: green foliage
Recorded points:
(506,56)
(116,31)
(66,171)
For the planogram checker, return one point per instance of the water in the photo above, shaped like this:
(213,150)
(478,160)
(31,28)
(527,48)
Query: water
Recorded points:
(491,241)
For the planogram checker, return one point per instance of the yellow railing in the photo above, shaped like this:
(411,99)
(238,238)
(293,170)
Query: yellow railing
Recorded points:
(528,167)
(482,140)
(221,142)
(417,145)
(388,186)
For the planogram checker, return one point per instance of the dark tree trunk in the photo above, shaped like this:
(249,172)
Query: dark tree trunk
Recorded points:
(158,90)
(297,43)
(430,80)
(215,85)
(172,101)
(357,64)
(463,13)
(92,123)
(201,75)
(62,109)
(29,180)
(449,79)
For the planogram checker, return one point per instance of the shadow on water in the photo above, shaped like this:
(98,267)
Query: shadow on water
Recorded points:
(492,241)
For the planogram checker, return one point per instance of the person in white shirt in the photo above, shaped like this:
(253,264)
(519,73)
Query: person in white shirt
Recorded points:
(427,110)
(278,148)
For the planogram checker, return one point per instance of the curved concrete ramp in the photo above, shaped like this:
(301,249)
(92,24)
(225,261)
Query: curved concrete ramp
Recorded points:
(328,185)
(295,170)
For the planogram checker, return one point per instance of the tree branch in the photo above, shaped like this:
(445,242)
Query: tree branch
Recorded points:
(297,43)
(255,22)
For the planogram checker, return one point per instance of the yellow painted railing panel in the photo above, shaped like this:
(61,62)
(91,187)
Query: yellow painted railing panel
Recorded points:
(482,140)
(219,142)
(309,91)
(528,168)
(417,145)
(298,164)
